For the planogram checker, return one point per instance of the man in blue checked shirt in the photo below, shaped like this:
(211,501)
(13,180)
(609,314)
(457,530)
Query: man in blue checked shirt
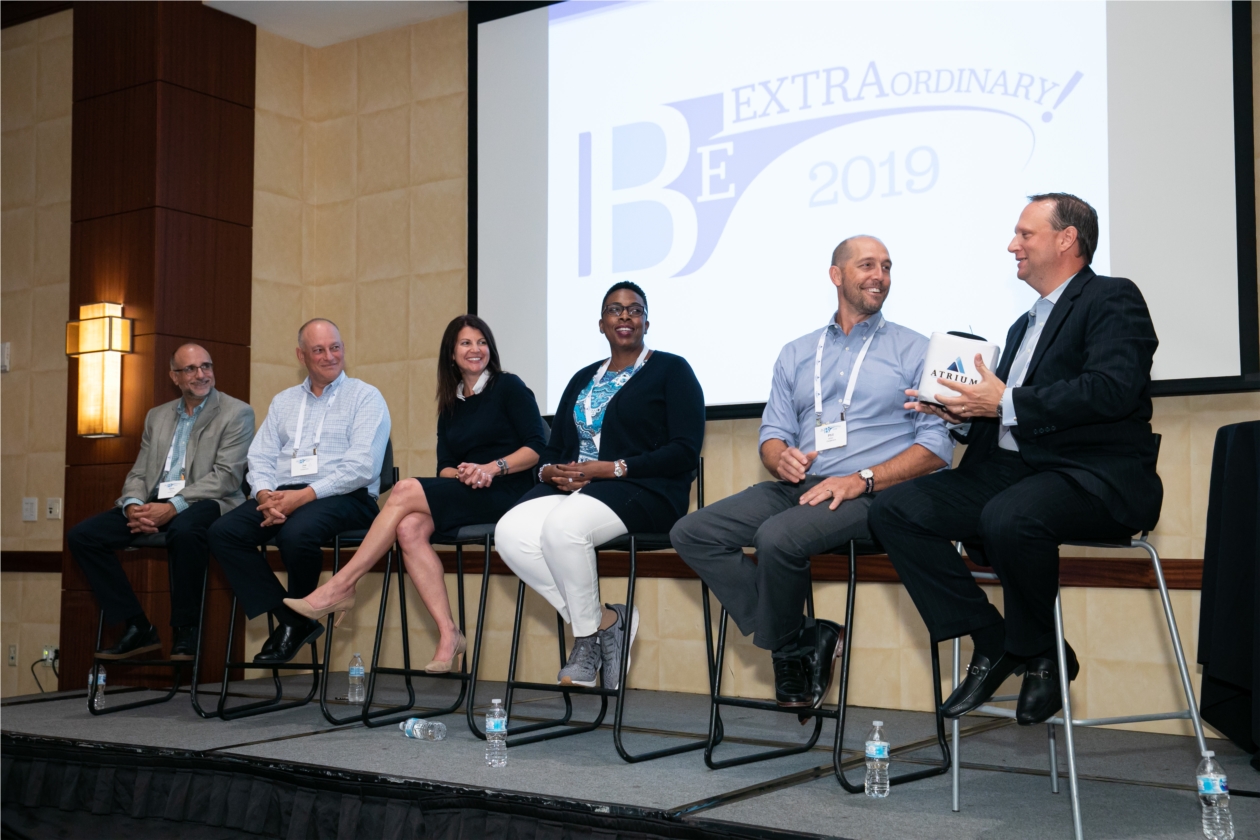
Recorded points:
(188,473)
(834,433)
(314,471)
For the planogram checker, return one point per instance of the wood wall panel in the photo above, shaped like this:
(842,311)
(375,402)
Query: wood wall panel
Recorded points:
(114,153)
(210,263)
(202,166)
(119,258)
(198,167)
(122,45)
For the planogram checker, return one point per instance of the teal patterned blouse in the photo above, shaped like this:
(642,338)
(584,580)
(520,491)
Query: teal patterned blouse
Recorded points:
(603,392)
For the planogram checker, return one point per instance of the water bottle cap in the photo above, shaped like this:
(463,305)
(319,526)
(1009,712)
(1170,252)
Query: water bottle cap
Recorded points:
(877,723)
(1208,753)
(495,702)
(357,654)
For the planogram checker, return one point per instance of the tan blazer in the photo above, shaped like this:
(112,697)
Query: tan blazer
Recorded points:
(215,458)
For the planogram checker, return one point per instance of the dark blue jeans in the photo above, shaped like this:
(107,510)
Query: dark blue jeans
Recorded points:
(235,539)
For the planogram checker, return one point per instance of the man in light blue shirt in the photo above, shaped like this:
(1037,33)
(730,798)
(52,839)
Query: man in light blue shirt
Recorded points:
(314,471)
(834,432)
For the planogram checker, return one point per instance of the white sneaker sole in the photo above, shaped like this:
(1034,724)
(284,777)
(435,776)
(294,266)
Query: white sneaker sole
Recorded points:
(571,681)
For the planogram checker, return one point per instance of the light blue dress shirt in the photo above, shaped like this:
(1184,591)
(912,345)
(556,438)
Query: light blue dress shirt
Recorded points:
(879,427)
(183,429)
(351,448)
(1037,317)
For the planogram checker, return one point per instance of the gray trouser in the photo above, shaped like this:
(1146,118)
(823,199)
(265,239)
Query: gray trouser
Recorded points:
(766,597)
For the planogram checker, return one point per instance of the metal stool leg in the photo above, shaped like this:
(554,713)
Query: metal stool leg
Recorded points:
(1054,758)
(1186,685)
(476,651)
(953,724)
(1060,648)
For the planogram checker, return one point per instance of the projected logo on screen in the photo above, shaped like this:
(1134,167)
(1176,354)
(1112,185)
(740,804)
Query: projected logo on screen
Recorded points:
(667,208)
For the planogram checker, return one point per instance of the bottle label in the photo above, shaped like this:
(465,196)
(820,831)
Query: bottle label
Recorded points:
(496,724)
(1212,785)
(356,670)
(877,749)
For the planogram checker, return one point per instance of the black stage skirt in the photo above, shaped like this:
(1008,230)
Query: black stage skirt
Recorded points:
(455,504)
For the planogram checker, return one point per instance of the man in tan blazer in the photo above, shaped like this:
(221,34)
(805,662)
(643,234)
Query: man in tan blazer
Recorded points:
(188,473)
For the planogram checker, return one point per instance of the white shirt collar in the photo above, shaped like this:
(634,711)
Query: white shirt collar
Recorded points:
(477,388)
(328,389)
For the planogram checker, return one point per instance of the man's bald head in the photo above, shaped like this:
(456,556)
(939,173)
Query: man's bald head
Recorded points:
(844,251)
(312,322)
(192,371)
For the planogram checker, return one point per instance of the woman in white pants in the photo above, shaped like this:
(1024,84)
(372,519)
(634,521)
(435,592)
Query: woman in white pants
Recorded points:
(622,456)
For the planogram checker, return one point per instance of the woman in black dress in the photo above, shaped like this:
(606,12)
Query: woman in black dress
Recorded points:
(488,438)
(622,456)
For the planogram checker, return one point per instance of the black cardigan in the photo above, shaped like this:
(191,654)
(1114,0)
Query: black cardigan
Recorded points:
(656,424)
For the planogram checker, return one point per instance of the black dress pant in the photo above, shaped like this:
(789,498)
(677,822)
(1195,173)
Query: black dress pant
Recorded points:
(94,544)
(1008,516)
(235,539)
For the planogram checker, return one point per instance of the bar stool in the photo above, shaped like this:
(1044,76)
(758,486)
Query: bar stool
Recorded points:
(276,703)
(854,549)
(1065,719)
(559,727)
(153,541)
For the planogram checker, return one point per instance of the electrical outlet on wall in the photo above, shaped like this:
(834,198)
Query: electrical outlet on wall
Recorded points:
(30,509)
(13,655)
(49,655)
(53,509)
(4,357)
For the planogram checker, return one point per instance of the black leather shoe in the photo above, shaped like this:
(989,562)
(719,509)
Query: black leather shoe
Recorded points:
(792,686)
(820,664)
(982,682)
(286,641)
(185,644)
(134,642)
(1040,697)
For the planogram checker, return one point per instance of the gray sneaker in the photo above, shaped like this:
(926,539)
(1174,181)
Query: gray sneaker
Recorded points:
(583,664)
(610,644)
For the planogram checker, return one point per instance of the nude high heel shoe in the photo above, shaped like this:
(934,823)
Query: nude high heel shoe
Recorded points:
(304,609)
(445,666)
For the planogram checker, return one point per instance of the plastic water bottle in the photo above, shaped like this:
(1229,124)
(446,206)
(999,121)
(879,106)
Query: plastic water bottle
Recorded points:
(876,761)
(1214,797)
(423,730)
(98,697)
(496,735)
(355,695)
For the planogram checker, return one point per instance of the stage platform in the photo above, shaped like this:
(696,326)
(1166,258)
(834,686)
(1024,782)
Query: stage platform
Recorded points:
(127,769)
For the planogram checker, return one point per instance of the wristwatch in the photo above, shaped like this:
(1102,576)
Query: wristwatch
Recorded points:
(502,465)
(619,468)
(869,478)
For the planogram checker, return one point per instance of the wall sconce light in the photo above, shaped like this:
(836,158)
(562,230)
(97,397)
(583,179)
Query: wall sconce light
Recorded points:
(98,340)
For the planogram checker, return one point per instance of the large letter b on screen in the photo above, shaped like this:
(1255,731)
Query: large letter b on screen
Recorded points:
(635,223)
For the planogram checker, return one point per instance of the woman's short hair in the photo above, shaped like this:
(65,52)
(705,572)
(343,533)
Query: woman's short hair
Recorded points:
(449,377)
(624,284)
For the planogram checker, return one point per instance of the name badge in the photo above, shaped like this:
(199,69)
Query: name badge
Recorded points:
(831,435)
(166,489)
(305,465)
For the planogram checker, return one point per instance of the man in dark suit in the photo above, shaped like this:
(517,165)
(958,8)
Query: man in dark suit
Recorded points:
(1059,447)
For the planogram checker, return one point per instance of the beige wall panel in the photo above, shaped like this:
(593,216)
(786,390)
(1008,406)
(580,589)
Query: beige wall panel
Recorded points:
(279,155)
(439,224)
(382,224)
(18,253)
(439,139)
(331,153)
(277,238)
(54,90)
(384,141)
(330,83)
(439,57)
(17,84)
(384,70)
(52,162)
(52,249)
(17,167)
(334,246)
(279,76)
(435,300)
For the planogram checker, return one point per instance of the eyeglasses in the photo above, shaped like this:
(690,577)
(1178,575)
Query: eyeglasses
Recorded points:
(204,367)
(634,310)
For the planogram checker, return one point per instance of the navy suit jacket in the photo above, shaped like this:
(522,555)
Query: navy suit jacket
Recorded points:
(1084,408)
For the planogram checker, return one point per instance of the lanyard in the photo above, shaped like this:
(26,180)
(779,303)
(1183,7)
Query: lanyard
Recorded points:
(170,453)
(319,430)
(857,366)
(599,374)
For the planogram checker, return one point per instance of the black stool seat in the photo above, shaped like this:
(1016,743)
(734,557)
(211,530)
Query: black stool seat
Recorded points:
(643,542)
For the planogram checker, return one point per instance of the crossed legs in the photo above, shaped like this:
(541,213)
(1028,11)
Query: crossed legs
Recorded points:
(407,518)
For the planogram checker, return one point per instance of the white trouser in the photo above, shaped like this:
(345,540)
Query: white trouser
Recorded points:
(550,544)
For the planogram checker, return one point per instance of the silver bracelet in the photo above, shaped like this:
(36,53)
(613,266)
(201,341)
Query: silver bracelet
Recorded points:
(540,472)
